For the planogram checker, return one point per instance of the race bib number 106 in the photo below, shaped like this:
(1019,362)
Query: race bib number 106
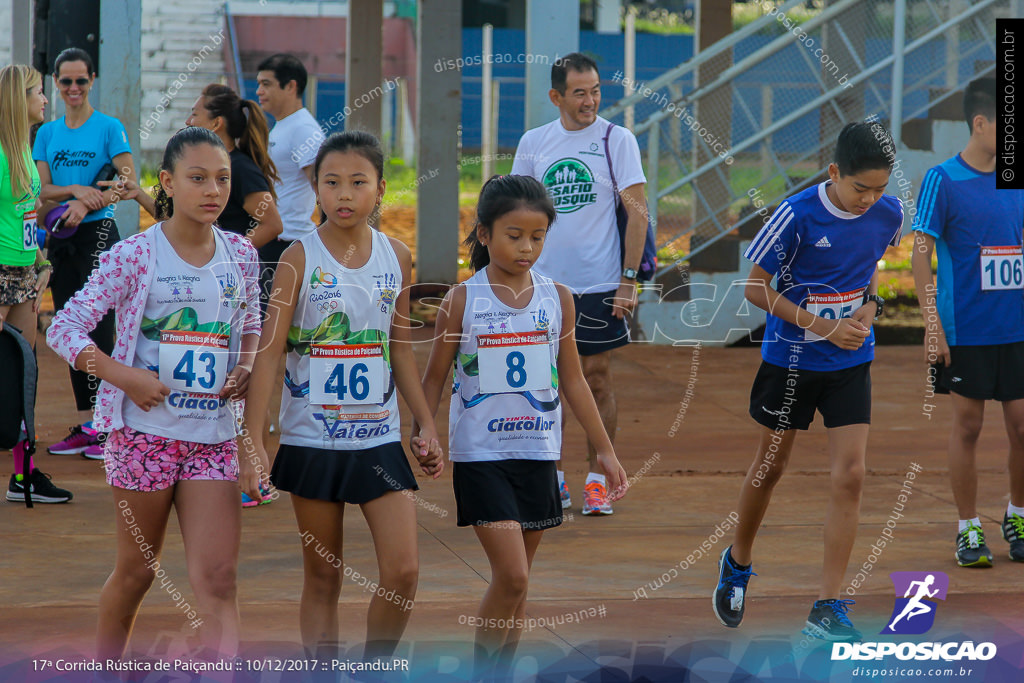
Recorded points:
(833,306)
(1001,268)
(514,362)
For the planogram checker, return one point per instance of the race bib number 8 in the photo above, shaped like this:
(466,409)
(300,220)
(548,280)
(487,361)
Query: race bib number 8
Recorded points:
(514,362)
(1001,268)
(29,225)
(195,362)
(832,306)
(346,374)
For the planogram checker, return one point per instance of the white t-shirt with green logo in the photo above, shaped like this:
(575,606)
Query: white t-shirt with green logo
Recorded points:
(582,248)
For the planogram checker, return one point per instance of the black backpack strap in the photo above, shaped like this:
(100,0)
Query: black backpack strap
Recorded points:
(29,375)
(608,158)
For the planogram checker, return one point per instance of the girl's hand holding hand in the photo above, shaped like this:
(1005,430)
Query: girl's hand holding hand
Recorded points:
(427,449)
(615,475)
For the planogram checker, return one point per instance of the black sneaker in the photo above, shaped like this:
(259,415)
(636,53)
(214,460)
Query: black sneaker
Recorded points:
(971,550)
(1013,532)
(828,621)
(43,490)
(731,593)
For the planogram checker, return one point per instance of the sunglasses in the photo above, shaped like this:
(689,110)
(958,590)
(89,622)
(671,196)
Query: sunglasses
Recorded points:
(66,82)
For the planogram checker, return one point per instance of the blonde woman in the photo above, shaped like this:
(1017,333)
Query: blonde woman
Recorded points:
(23,271)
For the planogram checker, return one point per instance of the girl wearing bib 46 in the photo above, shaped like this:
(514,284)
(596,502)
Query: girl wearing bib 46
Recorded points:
(509,332)
(341,314)
(186,298)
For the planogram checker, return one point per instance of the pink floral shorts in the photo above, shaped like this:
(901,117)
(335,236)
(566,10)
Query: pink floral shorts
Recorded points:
(146,462)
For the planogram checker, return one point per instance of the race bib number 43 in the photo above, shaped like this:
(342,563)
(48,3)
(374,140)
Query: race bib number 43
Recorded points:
(1002,268)
(196,362)
(346,374)
(513,362)
(832,306)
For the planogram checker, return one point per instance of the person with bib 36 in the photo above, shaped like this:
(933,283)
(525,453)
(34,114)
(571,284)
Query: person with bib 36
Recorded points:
(340,313)
(978,349)
(822,245)
(509,331)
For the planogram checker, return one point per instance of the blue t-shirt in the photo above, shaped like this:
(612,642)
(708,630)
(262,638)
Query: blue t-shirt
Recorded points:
(823,259)
(76,155)
(978,231)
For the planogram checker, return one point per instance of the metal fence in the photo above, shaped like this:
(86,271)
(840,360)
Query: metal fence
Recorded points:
(717,139)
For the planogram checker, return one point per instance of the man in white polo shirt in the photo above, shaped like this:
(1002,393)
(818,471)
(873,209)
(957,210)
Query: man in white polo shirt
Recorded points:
(294,142)
(582,249)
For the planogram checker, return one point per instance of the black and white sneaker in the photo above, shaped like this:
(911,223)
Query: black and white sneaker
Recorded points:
(43,490)
(828,621)
(1013,532)
(971,550)
(730,594)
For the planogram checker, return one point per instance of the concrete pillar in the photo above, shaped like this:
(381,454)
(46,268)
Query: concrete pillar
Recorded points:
(119,85)
(552,30)
(438,112)
(714,112)
(363,71)
(21,31)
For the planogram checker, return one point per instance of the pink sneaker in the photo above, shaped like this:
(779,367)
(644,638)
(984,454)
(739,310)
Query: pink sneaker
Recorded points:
(93,451)
(79,438)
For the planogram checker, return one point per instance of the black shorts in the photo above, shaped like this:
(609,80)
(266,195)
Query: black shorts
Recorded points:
(990,372)
(597,330)
(355,477)
(524,491)
(783,399)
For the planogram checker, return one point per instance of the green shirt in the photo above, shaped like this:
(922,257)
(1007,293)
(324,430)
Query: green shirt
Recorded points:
(17,238)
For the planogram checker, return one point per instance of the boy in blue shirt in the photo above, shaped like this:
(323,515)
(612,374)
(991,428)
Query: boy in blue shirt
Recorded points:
(978,350)
(822,245)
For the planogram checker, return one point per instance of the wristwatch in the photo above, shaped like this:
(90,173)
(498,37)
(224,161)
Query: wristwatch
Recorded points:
(879,301)
(629,273)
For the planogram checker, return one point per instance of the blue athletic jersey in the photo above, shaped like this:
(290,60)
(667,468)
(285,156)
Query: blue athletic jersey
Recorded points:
(978,231)
(823,259)
(76,155)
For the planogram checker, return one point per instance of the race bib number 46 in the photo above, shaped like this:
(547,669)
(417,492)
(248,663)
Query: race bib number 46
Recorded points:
(832,306)
(1002,268)
(514,361)
(346,374)
(196,362)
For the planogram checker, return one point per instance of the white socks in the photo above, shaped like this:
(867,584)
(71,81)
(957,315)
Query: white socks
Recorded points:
(974,522)
(1012,509)
(561,477)
(593,476)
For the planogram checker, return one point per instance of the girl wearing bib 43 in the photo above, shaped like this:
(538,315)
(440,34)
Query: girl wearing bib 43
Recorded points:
(341,314)
(186,298)
(509,332)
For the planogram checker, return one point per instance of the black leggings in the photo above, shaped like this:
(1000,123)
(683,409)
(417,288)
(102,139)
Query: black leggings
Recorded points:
(73,260)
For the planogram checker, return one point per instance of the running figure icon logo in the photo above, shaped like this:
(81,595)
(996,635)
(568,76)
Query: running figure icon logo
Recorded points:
(914,613)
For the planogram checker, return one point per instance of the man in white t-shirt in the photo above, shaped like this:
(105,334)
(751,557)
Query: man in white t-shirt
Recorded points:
(294,142)
(582,250)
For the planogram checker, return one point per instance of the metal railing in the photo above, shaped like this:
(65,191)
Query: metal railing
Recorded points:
(778,91)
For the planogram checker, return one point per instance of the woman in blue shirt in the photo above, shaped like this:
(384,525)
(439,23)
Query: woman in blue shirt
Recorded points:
(70,153)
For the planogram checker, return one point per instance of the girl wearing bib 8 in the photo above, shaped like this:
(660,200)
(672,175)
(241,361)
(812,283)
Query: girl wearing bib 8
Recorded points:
(186,300)
(509,333)
(340,312)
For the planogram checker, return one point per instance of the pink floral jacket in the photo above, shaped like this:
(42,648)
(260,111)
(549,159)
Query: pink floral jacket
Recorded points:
(122,282)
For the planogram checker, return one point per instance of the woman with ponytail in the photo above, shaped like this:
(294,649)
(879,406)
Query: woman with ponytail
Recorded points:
(252,204)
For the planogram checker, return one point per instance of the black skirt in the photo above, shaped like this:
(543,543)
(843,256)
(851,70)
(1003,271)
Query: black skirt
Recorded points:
(524,491)
(354,477)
